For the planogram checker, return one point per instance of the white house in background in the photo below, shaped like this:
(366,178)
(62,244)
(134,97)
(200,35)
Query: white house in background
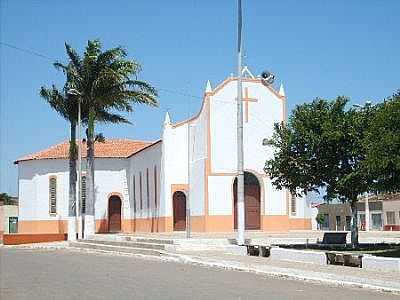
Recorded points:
(144,186)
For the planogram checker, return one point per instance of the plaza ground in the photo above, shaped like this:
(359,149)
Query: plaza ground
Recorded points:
(65,274)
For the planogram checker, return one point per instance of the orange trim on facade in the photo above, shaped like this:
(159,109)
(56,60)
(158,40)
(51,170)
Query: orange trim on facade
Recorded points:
(18,239)
(219,223)
(152,224)
(246,100)
(198,223)
(279,223)
(43,226)
(300,224)
(115,194)
(176,187)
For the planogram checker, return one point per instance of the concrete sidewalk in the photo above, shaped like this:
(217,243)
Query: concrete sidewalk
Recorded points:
(291,237)
(329,274)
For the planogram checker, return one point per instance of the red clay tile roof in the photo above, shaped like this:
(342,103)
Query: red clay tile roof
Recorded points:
(110,148)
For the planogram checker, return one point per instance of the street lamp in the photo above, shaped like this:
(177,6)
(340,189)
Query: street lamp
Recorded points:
(75,92)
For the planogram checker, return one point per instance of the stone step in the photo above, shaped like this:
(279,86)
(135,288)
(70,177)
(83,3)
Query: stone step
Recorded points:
(112,248)
(153,241)
(133,244)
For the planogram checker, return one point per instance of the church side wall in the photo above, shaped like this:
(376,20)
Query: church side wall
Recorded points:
(33,193)
(147,210)
(175,164)
(110,179)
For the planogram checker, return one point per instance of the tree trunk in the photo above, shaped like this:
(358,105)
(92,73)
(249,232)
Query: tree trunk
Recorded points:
(91,193)
(72,183)
(354,225)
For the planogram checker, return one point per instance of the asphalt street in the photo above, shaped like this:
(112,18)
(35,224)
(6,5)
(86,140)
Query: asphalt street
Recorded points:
(66,274)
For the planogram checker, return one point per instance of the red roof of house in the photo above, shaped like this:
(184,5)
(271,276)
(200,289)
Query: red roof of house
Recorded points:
(110,148)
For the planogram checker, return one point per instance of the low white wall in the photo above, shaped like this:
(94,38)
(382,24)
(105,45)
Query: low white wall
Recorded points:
(386,264)
(313,257)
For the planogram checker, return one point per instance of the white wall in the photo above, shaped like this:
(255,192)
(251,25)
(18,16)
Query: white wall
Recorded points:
(174,162)
(110,176)
(261,118)
(141,164)
(220,195)
(33,189)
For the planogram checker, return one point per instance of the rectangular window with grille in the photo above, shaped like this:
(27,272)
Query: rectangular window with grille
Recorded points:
(83,194)
(53,195)
(140,191)
(134,194)
(147,189)
(390,218)
(293,204)
(155,187)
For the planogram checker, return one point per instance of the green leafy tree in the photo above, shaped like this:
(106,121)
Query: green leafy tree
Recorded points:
(382,144)
(7,199)
(106,81)
(320,219)
(321,148)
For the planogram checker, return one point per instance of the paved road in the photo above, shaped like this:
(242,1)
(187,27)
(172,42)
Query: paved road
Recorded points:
(64,274)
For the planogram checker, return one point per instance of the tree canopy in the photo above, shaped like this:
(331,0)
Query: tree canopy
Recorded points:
(382,145)
(321,146)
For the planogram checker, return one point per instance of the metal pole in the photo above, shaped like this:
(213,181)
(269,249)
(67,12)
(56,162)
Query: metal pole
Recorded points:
(78,200)
(188,189)
(367,212)
(240,156)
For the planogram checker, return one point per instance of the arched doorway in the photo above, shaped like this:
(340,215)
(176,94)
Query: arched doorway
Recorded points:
(252,203)
(114,214)
(179,204)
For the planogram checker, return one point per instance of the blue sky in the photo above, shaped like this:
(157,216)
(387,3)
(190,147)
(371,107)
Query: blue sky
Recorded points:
(317,48)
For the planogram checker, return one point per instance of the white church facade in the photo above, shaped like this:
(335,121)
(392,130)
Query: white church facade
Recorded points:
(147,186)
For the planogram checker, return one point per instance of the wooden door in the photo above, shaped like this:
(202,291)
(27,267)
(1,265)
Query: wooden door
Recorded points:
(114,214)
(252,204)
(252,207)
(179,203)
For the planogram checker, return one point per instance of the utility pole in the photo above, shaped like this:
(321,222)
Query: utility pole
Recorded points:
(240,156)
(79,216)
(78,223)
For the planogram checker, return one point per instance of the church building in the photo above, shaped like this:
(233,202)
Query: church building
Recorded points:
(145,186)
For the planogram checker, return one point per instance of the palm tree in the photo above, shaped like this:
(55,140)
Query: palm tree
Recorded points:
(107,82)
(65,106)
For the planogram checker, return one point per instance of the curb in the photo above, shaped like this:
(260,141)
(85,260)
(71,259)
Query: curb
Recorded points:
(227,265)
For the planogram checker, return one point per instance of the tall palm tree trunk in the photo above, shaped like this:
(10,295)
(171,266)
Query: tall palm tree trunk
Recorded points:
(72,184)
(90,225)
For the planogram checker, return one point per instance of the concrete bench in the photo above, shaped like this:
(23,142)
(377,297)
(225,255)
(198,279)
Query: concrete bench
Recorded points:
(258,250)
(314,257)
(334,238)
(344,259)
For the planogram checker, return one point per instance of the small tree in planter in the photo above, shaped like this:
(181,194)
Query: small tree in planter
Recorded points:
(320,219)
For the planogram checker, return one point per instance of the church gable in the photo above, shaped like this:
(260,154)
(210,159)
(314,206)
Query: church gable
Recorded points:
(262,107)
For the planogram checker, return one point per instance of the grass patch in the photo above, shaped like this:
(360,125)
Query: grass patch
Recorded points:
(381,249)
